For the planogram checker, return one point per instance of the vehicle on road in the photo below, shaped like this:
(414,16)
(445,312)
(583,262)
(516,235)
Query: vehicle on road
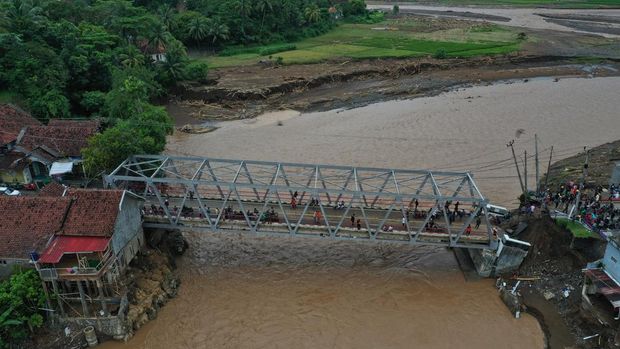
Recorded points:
(9,191)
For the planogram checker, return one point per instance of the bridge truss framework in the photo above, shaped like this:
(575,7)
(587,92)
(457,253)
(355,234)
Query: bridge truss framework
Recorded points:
(374,194)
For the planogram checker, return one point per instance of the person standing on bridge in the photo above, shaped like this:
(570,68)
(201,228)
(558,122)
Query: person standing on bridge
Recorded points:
(353,220)
(468,230)
(317,216)
(359,225)
(478,221)
(404,222)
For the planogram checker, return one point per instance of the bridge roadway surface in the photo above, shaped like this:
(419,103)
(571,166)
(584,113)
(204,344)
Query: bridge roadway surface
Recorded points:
(341,224)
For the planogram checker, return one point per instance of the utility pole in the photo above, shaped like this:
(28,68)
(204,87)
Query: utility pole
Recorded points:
(548,168)
(511,145)
(584,174)
(525,172)
(537,166)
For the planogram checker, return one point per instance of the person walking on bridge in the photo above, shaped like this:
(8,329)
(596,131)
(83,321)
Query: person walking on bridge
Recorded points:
(353,220)
(317,216)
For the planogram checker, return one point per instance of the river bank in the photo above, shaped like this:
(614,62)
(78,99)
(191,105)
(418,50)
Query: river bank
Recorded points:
(245,92)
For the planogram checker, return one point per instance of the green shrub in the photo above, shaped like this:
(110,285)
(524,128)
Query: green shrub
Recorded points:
(232,51)
(196,71)
(440,54)
(395,10)
(269,50)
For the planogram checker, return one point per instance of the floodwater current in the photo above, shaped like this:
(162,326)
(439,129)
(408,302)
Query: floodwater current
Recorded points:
(243,292)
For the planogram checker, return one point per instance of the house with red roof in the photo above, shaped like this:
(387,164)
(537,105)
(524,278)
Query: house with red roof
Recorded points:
(80,240)
(85,259)
(27,225)
(32,152)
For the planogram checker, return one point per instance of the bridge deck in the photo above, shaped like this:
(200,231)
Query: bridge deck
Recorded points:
(301,200)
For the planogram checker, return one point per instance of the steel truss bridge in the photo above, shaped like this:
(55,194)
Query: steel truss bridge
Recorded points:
(294,199)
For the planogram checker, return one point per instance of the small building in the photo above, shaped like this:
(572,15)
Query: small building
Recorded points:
(157,54)
(83,263)
(27,224)
(602,278)
(12,121)
(55,150)
(13,167)
(32,152)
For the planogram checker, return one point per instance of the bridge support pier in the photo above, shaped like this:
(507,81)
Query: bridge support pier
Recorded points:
(492,263)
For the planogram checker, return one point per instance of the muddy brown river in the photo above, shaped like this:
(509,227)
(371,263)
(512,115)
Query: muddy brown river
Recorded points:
(242,292)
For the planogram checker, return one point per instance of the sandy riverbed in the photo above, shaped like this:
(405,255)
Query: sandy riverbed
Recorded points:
(466,129)
(519,17)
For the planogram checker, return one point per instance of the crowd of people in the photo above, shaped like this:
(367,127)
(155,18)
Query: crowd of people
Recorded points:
(595,208)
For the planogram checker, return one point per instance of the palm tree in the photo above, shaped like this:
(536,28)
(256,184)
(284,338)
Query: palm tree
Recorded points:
(22,14)
(243,8)
(132,57)
(166,14)
(218,31)
(312,13)
(174,65)
(198,29)
(157,38)
(262,6)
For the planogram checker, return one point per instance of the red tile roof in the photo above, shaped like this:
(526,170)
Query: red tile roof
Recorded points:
(90,123)
(67,141)
(53,189)
(27,223)
(12,120)
(72,244)
(13,161)
(93,212)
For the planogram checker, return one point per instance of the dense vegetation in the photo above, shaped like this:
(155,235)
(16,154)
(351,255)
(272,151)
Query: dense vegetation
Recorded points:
(21,301)
(109,58)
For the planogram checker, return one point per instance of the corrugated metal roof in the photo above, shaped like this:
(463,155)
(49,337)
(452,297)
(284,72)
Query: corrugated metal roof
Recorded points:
(73,244)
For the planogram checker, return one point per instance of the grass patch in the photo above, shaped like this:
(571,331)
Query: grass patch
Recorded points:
(387,39)
(578,230)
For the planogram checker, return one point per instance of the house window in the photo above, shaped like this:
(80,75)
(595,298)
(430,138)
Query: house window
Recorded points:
(614,260)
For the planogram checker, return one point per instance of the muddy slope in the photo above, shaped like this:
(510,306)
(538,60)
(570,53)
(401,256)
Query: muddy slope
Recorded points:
(248,91)
(600,165)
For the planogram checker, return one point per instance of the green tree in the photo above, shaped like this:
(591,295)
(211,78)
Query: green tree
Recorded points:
(157,37)
(262,6)
(21,298)
(312,13)
(24,16)
(243,8)
(198,29)
(126,99)
(166,15)
(218,32)
(173,68)
(143,133)
(51,104)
